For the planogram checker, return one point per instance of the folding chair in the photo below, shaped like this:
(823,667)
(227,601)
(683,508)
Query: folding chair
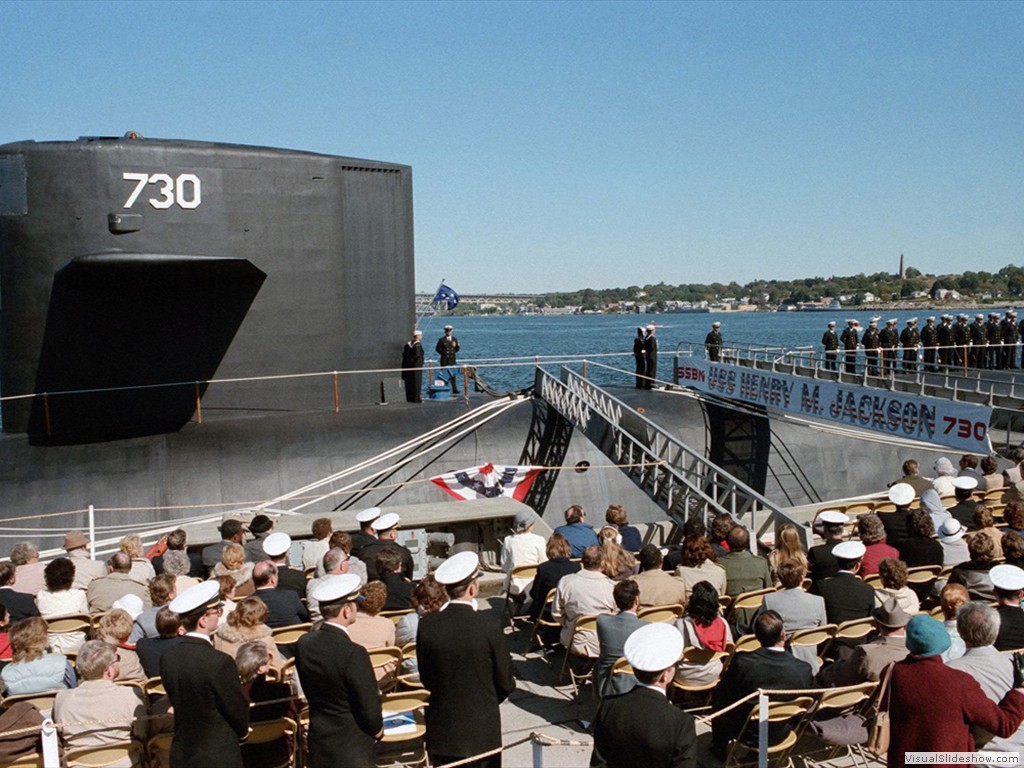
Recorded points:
(261,734)
(282,674)
(42,701)
(396,616)
(544,620)
(158,749)
(582,624)
(405,729)
(290,634)
(860,508)
(659,613)
(387,658)
(778,752)
(528,571)
(701,656)
(407,680)
(31,760)
(814,637)
(745,603)
(837,701)
(96,757)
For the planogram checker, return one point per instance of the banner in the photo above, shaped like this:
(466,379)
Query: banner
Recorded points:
(488,482)
(963,426)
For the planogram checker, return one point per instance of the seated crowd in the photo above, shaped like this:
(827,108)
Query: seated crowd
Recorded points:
(867,569)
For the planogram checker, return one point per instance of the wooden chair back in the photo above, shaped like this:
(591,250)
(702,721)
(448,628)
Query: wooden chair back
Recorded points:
(290,634)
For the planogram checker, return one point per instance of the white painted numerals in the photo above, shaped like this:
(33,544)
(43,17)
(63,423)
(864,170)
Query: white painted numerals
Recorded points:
(185,191)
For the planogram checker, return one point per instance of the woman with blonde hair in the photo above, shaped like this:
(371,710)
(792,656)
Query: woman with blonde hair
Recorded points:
(616,563)
(787,547)
(232,563)
(115,627)
(142,570)
(33,668)
(246,624)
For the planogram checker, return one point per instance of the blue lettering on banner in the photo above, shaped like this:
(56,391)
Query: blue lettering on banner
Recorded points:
(929,419)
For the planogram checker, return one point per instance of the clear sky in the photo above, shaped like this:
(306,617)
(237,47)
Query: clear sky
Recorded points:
(564,145)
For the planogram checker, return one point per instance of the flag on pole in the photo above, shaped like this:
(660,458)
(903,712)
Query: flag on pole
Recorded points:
(447,295)
(488,482)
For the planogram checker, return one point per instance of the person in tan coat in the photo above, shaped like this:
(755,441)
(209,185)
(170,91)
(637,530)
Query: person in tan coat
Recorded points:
(115,628)
(246,624)
(586,592)
(657,587)
(98,698)
(104,592)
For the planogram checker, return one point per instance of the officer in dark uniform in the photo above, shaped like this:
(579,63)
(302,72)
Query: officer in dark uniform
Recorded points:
(713,342)
(651,355)
(849,339)
(448,348)
(945,333)
(909,340)
(830,340)
(888,340)
(979,342)
(994,334)
(1009,338)
(930,341)
(961,341)
(640,356)
(412,368)
(870,342)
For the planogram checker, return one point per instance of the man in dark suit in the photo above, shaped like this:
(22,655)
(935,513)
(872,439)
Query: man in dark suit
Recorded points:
(283,606)
(412,368)
(210,710)
(464,663)
(345,718)
(387,532)
(820,562)
(771,667)
(651,356)
(1008,585)
(613,630)
(641,727)
(846,596)
(277,546)
(19,605)
(963,510)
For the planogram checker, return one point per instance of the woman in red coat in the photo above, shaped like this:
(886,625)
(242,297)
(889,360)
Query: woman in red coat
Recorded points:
(932,707)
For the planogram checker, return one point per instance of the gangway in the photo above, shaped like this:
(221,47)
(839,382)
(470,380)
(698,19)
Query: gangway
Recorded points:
(676,477)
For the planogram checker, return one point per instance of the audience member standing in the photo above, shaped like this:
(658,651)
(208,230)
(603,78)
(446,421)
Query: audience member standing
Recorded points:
(210,711)
(713,342)
(830,341)
(412,368)
(651,355)
(466,687)
(641,727)
(448,348)
(387,533)
(640,357)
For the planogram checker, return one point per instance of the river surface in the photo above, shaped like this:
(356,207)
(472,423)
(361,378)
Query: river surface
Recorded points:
(485,338)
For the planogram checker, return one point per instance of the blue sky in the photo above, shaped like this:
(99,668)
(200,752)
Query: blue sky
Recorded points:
(564,145)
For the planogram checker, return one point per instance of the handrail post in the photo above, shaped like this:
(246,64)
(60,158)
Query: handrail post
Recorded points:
(762,729)
(336,402)
(538,754)
(465,384)
(92,531)
(51,748)
(199,405)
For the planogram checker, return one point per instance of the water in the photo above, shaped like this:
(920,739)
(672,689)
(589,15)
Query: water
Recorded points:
(522,336)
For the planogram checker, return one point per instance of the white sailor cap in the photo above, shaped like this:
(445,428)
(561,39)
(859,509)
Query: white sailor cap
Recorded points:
(930,319)
(901,494)
(980,316)
(831,323)
(951,530)
(654,647)
(850,322)
(962,316)
(947,317)
(993,314)
(911,321)
(965,483)
(130,604)
(650,327)
(340,588)
(849,550)
(873,321)
(1007,577)
(1012,312)
(417,332)
(447,327)
(891,322)
(459,568)
(387,520)
(203,596)
(715,324)
(834,516)
(368,515)
(277,543)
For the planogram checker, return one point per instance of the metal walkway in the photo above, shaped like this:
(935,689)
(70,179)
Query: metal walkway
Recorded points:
(678,478)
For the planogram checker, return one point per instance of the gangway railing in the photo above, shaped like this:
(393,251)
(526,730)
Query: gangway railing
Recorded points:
(676,477)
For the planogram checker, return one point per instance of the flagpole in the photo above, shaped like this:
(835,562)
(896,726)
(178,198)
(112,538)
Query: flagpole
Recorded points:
(429,304)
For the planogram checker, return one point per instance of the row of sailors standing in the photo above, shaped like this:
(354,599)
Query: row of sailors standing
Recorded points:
(980,345)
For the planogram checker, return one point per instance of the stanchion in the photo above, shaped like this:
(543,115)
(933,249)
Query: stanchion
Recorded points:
(199,405)
(465,384)
(762,730)
(336,402)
